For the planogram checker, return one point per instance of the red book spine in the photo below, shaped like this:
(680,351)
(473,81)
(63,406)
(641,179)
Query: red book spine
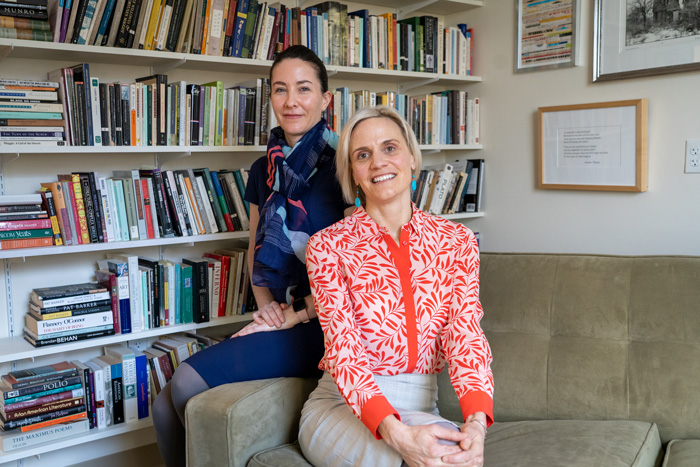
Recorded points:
(114,296)
(147,209)
(26,224)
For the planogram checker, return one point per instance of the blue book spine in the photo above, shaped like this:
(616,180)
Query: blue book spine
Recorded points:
(241,189)
(142,385)
(105,22)
(239,28)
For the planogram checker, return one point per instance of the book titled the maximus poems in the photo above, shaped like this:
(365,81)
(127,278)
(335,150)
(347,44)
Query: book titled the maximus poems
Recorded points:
(16,439)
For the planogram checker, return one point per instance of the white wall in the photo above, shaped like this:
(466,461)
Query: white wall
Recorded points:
(520,217)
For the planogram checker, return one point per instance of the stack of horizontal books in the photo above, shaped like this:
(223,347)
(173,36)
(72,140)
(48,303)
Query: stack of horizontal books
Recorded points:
(68,313)
(25,19)
(41,404)
(24,222)
(30,113)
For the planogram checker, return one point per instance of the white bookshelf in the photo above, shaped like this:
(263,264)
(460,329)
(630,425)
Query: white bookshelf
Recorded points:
(19,162)
(92,435)
(98,247)
(16,348)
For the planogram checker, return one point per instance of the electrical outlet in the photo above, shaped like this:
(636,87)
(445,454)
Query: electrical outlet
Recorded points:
(692,156)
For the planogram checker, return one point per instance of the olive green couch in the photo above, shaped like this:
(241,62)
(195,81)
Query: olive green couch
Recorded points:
(596,363)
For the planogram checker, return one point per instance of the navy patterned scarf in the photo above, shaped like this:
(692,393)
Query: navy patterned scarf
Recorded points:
(284,228)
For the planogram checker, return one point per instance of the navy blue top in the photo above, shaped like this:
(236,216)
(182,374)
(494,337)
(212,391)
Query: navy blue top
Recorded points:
(323,201)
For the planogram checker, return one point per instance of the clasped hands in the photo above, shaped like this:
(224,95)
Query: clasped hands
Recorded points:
(420,445)
(271,317)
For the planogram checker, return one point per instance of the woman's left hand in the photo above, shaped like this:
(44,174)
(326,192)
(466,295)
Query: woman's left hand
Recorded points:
(291,319)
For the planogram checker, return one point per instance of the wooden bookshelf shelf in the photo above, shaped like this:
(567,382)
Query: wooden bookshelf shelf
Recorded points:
(62,250)
(16,348)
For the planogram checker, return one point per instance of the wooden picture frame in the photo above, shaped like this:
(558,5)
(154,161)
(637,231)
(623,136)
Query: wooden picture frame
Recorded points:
(600,146)
(546,35)
(643,38)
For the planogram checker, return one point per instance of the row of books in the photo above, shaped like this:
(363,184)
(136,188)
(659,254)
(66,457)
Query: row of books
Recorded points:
(447,117)
(134,293)
(63,399)
(68,313)
(259,30)
(25,19)
(153,112)
(146,293)
(25,222)
(451,187)
(30,112)
(147,203)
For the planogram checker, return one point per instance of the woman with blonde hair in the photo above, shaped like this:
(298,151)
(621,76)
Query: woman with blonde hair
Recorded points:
(397,295)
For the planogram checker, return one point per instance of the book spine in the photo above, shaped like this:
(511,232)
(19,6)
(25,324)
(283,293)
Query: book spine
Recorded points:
(18,440)
(42,400)
(72,323)
(42,394)
(33,233)
(11,425)
(60,384)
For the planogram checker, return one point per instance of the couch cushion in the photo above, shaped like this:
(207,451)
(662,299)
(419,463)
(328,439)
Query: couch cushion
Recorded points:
(682,453)
(287,455)
(566,443)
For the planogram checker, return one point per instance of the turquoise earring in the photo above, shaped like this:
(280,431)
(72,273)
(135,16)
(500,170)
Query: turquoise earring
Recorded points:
(413,182)
(358,202)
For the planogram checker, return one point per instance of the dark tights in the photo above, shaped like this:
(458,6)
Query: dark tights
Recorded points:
(169,413)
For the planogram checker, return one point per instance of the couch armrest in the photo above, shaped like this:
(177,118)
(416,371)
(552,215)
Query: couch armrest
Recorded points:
(228,424)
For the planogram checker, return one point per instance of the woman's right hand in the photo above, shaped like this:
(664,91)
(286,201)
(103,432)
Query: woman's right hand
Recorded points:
(261,320)
(271,314)
(420,445)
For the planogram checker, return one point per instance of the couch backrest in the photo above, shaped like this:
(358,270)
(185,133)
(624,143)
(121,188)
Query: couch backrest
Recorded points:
(594,337)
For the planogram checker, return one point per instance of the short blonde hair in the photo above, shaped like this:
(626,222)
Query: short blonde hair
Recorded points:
(343,164)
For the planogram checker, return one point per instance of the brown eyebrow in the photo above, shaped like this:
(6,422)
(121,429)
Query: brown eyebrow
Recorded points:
(387,141)
(281,83)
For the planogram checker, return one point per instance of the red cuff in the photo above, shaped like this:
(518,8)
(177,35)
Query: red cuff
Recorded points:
(477,401)
(374,411)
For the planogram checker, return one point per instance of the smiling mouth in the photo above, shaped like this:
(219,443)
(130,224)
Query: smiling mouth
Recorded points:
(383,178)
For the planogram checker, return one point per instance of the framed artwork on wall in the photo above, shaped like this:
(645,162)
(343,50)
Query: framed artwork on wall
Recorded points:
(635,38)
(547,34)
(601,146)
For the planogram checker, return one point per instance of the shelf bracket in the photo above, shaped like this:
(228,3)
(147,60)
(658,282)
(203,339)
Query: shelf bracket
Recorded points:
(331,72)
(5,51)
(402,12)
(161,69)
(8,297)
(403,88)
(165,157)
(427,152)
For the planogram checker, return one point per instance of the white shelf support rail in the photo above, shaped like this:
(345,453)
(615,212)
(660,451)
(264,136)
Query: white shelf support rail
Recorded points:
(165,157)
(6,51)
(404,11)
(403,88)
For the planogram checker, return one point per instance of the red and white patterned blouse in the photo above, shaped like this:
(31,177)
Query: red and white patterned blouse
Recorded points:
(388,309)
